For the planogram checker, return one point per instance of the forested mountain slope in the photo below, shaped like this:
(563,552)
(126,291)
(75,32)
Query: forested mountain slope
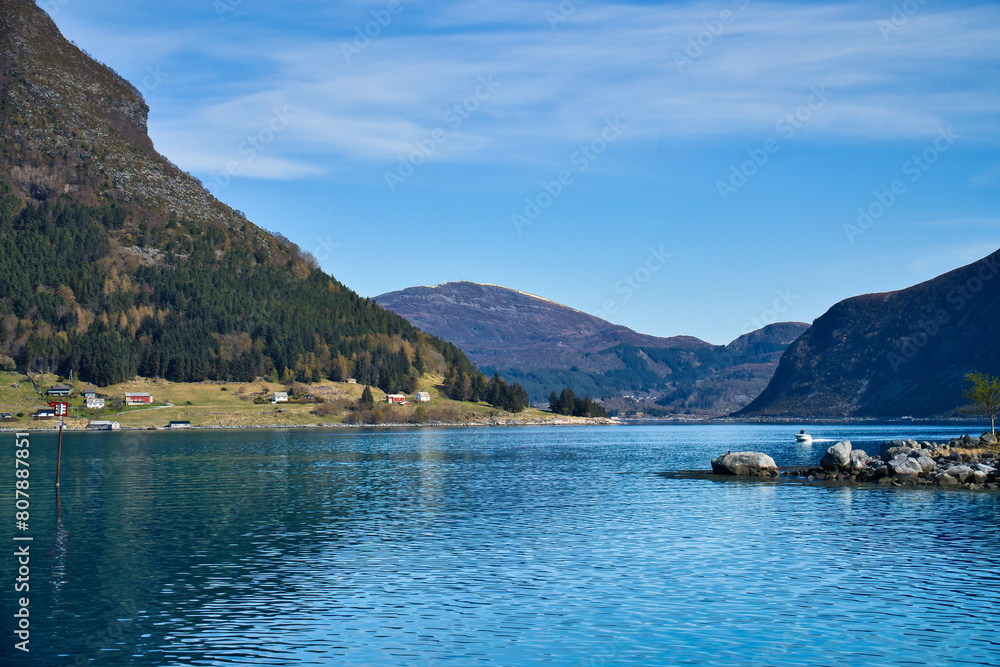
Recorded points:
(114,262)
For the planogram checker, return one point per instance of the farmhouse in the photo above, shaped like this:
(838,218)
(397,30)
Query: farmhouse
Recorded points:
(138,398)
(90,393)
(60,390)
(95,403)
(44,413)
(422,397)
(280,397)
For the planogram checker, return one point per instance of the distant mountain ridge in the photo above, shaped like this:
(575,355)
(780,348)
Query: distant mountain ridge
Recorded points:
(545,345)
(895,353)
(514,328)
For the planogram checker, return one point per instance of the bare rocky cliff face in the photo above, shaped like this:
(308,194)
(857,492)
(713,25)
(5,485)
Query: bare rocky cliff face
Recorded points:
(893,354)
(71,125)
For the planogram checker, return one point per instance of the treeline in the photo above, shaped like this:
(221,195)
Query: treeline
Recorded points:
(673,371)
(569,404)
(470,385)
(219,310)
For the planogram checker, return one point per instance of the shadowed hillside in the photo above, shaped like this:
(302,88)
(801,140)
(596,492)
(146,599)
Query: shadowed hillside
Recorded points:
(892,354)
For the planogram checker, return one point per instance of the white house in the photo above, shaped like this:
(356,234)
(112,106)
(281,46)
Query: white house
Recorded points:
(95,403)
(280,397)
(103,426)
(422,397)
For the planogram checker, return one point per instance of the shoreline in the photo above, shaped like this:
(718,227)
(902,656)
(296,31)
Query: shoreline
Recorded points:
(815,421)
(511,423)
(801,480)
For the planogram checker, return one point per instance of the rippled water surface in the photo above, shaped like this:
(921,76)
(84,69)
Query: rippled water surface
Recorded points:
(533,546)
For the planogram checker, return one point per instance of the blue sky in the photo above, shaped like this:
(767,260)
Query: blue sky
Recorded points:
(680,168)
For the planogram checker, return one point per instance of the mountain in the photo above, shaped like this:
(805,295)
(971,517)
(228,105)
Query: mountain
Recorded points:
(895,353)
(501,326)
(114,262)
(545,346)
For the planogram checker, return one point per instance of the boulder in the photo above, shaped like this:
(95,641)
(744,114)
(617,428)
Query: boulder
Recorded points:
(926,463)
(894,451)
(837,457)
(746,464)
(885,451)
(904,465)
(959,472)
(987,440)
(947,480)
(859,461)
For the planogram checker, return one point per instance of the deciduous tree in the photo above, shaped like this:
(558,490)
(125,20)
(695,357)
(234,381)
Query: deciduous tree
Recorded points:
(984,394)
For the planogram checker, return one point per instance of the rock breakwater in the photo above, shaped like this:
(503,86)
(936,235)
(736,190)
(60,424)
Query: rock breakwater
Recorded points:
(959,463)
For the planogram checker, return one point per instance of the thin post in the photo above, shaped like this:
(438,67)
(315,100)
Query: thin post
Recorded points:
(59,455)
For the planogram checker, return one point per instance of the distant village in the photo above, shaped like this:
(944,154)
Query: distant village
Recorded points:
(93,400)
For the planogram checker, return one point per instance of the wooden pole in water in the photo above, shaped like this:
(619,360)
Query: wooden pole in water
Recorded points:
(59,455)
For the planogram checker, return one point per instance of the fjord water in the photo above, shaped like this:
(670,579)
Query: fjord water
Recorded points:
(521,546)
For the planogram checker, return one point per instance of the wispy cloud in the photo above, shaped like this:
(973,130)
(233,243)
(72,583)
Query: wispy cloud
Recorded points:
(606,60)
(989,178)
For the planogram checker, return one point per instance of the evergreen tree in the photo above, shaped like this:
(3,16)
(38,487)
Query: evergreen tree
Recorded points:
(569,404)
(366,400)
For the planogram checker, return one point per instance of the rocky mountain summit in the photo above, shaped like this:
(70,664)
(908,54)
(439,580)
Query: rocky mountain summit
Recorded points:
(72,125)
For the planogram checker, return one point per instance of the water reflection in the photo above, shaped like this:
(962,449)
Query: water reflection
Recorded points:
(521,546)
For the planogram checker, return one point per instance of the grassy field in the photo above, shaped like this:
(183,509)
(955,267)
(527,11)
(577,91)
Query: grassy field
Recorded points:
(236,405)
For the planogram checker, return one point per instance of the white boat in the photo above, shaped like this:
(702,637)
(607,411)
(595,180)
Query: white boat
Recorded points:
(802,436)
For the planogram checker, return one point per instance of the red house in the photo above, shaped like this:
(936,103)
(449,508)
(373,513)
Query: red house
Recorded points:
(138,399)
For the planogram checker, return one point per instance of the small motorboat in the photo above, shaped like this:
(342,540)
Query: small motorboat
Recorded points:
(802,436)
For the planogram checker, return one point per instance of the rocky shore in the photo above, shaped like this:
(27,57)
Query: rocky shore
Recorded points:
(967,462)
